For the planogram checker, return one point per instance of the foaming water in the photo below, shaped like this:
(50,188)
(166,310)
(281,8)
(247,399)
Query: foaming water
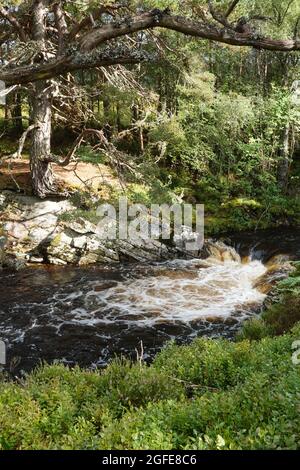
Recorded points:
(183,291)
(87,315)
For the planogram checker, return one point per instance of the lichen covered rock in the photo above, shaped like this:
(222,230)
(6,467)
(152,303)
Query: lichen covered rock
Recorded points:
(35,231)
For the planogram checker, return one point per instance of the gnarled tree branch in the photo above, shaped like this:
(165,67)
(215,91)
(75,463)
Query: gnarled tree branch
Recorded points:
(91,40)
(183,25)
(95,14)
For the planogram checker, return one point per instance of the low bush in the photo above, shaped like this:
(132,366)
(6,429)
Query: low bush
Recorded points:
(281,316)
(212,394)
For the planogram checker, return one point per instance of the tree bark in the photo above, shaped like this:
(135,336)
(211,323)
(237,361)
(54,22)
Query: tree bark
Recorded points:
(106,117)
(285,160)
(40,154)
(17,112)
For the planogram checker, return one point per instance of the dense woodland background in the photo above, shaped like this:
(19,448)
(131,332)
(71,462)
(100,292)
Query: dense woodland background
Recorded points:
(204,121)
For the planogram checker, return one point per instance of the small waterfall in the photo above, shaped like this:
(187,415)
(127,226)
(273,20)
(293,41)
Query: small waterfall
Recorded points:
(184,290)
(221,252)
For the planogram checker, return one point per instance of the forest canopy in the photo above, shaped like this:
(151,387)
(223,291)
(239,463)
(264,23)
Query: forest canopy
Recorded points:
(203,86)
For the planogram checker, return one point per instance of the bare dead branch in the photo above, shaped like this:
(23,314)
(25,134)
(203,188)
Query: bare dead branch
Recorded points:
(22,140)
(6,14)
(140,354)
(117,159)
(231,8)
(218,17)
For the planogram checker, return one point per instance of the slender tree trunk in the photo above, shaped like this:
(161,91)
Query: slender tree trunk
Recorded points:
(284,165)
(118,111)
(41,171)
(7,112)
(17,112)
(106,111)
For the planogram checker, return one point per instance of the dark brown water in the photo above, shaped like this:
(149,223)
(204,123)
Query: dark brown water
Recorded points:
(88,315)
(265,244)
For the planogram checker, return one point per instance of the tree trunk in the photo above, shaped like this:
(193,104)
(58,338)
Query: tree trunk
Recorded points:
(40,154)
(41,171)
(17,113)
(106,117)
(285,160)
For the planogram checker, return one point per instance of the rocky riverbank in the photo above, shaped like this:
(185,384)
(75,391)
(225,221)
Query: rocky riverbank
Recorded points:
(34,231)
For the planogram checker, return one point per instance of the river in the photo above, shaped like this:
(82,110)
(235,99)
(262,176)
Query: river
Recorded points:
(87,316)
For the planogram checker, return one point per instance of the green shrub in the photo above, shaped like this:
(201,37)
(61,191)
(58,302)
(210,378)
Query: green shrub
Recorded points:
(208,363)
(276,320)
(283,316)
(280,317)
(212,394)
(254,329)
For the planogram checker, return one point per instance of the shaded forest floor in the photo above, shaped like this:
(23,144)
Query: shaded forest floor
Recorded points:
(15,175)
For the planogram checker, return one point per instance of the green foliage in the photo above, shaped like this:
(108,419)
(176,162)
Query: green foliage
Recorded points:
(222,149)
(291,285)
(230,136)
(211,394)
(280,317)
(221,142)
(254,329)
(88,155)
(283,316)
